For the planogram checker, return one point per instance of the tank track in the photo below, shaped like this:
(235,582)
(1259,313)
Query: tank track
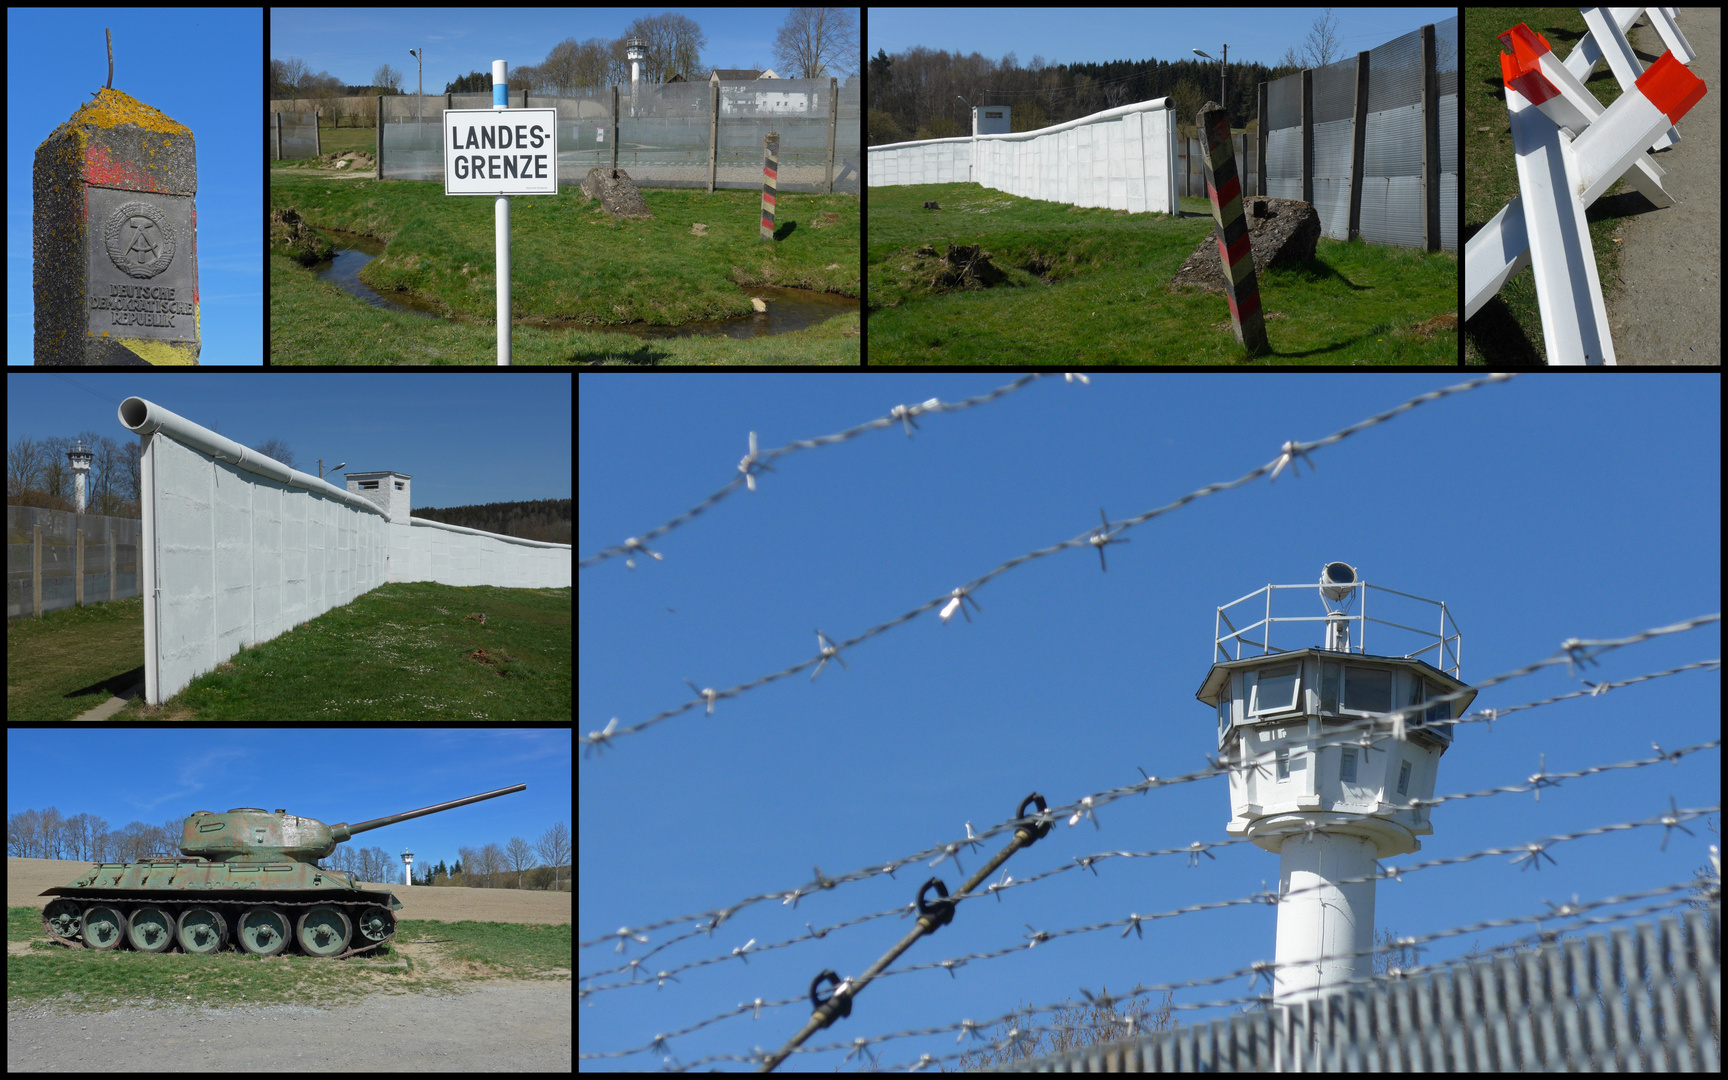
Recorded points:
(125,900)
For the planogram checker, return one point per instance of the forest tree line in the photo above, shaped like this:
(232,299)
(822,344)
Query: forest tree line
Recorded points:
(548,520)
(917,94)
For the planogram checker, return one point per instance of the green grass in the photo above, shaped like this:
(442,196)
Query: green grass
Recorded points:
(405,651)
(570,260)
(1089,286)
(466,952)
(68,662)
(1507,332)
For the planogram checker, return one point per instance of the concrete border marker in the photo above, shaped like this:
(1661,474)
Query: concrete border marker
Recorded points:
(115,238)
(1230,224)
(770,182)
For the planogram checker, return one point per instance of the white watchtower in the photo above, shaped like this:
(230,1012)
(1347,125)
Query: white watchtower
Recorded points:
(407,867)
(1326,781)
(80,456)
(636,52)
(992,120)
(389,490)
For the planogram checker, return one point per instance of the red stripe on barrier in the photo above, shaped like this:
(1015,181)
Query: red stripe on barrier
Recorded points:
(1670,87)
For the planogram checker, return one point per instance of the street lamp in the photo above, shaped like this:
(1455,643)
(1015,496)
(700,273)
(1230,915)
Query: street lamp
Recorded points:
(974,113)
(1223,92)
(419,84)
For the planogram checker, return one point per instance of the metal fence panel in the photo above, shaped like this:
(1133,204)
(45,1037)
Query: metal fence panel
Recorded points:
(104,538)
(1645,996)
(663,133)
(1392,207)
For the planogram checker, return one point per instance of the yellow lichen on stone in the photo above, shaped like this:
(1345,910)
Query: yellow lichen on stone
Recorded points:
(112,108)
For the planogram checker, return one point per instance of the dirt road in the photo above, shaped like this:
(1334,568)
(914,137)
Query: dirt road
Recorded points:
(1666,307)
(502,1026)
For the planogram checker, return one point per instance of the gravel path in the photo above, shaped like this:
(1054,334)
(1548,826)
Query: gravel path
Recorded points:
(1666,307)
(504,1026)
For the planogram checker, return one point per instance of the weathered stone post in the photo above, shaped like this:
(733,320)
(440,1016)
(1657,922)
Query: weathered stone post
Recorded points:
(116,241)
(1235,254)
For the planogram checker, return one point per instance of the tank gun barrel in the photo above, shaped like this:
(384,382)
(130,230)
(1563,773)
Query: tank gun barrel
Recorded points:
(344,831)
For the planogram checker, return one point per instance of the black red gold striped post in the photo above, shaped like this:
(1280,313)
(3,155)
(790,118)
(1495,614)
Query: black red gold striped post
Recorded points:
(1235,255)
(770,183)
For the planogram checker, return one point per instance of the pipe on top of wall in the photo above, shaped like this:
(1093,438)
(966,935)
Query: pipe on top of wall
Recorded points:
(146,418)
(1155,105)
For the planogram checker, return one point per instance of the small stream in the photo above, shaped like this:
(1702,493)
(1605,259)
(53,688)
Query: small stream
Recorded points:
(788,309)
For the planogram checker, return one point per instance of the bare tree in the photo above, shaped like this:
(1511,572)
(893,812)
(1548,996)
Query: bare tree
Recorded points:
(817,42)
(554,848)
(1321,46)
(519,856)
(1072,1026)
(277,449)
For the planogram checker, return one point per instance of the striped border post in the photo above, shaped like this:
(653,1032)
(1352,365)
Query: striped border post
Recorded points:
(770,182)
(1235,255)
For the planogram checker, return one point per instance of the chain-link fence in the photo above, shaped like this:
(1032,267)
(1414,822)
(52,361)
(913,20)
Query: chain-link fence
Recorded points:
(669,135)
(56,559)
(1372,141)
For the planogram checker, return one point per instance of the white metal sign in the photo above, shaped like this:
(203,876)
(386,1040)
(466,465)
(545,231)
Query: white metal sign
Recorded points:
(500,151)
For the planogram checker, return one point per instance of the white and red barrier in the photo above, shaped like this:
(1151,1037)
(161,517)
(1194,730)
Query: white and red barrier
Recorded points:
(1569,151)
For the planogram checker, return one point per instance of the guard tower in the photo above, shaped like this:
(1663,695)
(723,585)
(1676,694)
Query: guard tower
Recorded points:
(992,120)
(80,456)
(1325,779)
(636,52)
(388,489)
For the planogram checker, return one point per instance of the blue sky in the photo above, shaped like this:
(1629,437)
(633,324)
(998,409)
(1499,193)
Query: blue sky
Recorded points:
(350,43)
(1065,35)
(1540,509)
(212,769)
(464,441)
(198,65)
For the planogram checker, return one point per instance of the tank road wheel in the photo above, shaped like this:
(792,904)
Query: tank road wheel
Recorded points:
(104,927)
(202,930)
(262,931)
(63,918)
(323,931)
(374,925)
(150,929)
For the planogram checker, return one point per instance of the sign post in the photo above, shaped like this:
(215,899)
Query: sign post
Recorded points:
(501,152)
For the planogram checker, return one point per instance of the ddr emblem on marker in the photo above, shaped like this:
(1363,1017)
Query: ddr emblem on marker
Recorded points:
(1235,256)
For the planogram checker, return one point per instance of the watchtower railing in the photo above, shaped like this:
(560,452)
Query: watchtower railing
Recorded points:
(1446,644)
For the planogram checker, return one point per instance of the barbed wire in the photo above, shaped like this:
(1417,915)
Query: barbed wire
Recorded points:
(756,462)
(1669,820)
(1572,651)
(956,599)
(640,975)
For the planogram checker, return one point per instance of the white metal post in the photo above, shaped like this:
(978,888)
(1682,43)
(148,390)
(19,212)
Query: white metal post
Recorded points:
(501,223)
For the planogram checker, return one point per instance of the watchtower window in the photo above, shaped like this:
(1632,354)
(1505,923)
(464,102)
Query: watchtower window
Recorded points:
(1275,690)
(368,485)
(398,485)
(1347,770)
(1367,690)
(1404,778)
(1283,763)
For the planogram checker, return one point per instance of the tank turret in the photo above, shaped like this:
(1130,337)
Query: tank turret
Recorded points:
(249,876)
(251,833)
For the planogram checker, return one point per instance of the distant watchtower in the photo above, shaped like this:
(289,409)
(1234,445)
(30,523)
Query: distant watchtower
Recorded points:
(389,490)
(80,456)
(1323,779)
(992,120)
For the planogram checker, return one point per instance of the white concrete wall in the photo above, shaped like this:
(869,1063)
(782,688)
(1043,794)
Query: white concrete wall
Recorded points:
(239,558)
(433,551)
(238,549)
(1123,158)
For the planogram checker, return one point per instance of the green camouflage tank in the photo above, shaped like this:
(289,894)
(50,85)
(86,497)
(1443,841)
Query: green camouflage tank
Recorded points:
(247,871)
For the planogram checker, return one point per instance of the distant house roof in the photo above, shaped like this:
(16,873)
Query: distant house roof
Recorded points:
(740,75)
